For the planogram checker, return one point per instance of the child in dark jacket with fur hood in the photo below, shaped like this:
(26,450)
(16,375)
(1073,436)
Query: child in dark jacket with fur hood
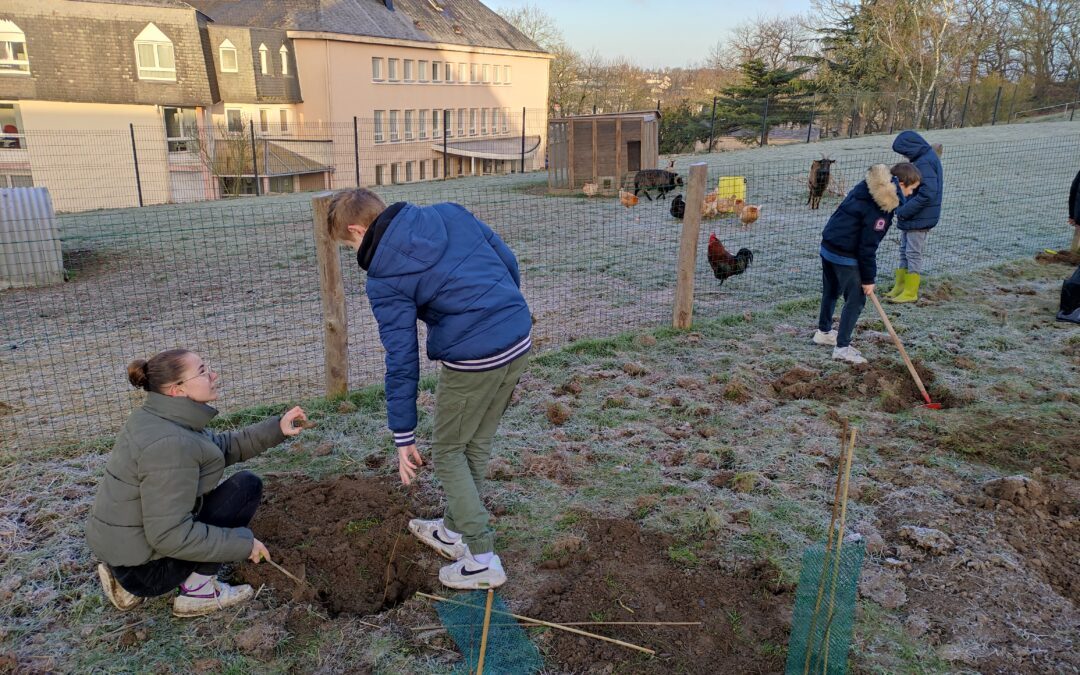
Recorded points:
(442,265)
(849,246)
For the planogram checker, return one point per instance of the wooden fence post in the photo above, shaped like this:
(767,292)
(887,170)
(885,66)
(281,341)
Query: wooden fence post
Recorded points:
(684,288)
(332,290)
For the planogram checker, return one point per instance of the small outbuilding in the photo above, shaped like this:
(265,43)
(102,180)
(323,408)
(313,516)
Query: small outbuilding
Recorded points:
(603,149)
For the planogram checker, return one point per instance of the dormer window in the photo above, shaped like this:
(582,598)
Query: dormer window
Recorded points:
(13,59)
(154,55)
(227,53)
(264,59)
(284,60)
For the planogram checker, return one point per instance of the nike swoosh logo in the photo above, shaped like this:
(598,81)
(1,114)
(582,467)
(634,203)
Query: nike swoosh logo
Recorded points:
(467,573)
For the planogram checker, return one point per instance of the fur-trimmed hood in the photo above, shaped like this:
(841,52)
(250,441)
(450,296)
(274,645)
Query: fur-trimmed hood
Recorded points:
(879,181)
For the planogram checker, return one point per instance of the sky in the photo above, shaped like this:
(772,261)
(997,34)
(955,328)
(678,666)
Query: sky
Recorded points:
(653,33)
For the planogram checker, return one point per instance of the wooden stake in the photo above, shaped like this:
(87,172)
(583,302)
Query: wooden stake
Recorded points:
(688,246)
(549,624)
(1075,248)
(279,568)
(332,291)
(484,634)
(839,549)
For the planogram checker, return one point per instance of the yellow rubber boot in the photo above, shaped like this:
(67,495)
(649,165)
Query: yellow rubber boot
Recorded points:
(911,289)
(898,286)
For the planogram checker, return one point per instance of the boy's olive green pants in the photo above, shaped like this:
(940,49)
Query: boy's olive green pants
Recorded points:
(468,407)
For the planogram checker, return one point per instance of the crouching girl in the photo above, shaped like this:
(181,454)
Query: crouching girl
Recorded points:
(160,519)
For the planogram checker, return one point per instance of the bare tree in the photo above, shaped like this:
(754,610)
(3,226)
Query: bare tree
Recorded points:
(776,41)
(1043,28)
(535,24)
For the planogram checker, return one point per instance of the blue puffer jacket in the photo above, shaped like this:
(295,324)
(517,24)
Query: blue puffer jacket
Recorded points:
(442,265)
(859,224)
(923,209)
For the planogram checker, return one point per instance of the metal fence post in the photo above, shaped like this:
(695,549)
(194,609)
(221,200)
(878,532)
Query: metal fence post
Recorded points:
(854,111)
(523,139)
(997,104)
(332,291)
(712,126)
(135,157)
(963,113)
(1012,103)
(765,124)
(356,148)
(255,161)
(893,111)
(445,135)
(813,110)
(684,286)
(930,112)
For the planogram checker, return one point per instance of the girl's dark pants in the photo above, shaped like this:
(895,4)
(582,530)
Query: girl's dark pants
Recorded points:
(837,280)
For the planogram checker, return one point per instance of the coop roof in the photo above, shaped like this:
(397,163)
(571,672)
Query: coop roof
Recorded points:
(462,22)
(235,159)
(492,148)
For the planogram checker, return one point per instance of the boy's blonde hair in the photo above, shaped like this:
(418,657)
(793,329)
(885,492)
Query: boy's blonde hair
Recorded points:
(353,207)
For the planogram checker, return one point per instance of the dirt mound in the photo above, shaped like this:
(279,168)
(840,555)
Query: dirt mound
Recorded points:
(1060,257)
(621,573)
(347,537)
(889,381)
(1016,443)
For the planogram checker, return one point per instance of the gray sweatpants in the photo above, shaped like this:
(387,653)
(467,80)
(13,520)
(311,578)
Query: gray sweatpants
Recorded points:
(912,245)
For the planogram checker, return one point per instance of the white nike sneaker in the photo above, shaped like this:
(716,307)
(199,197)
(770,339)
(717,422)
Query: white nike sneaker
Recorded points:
(433,533)
(823,338)
(120,598)
(212,596)
(470,574)
(849,354)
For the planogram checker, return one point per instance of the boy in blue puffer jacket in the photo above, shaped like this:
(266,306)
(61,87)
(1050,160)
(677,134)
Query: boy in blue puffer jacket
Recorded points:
(849,246)
(442,265)
(916,216)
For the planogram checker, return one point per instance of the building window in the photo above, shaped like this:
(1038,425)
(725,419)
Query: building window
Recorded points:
(494,120)
(284,60)
(474,72)
(395,173)
(409,171)
(435,71)
(497,72)
(463,73)
(421,118)
(380,174)
(154,55)
(483,120)
(376,68)
(422,67)
(283,116)
(507,78)
(506,120)
(264,120)
(11,127)
(16,180)
(394,114)
(234,119)
(379,127)
(180,129)
(472,121)
(281,184)
(408,125)
(392,70)
(449,123)
(423,169)
(264,59)
(487,73)
(409,63)
(449,72)
(461,122)
(434,168)
(436,123)
(227,56)
(234,186)
(13,59)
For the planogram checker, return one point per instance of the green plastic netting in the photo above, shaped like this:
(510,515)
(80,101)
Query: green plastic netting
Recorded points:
(826,655)
(509,649)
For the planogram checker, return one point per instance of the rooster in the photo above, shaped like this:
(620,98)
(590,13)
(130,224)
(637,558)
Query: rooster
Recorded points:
(628,199)
(724,264)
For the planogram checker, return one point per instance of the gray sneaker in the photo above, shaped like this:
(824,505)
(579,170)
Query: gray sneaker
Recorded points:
(120,598)
(432,533)
(212,596)
(823,338)
(470,574)
(849,354)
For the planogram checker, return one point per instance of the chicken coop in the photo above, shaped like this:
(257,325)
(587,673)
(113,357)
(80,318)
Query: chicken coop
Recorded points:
(605,150)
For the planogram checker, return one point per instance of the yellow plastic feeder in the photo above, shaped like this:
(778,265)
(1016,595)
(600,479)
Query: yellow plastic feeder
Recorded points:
(731,187)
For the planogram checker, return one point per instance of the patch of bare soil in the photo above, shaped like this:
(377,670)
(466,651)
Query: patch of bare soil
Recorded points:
(1015,443)
(347,537)
(620,572)
(887,380)
(1060,257)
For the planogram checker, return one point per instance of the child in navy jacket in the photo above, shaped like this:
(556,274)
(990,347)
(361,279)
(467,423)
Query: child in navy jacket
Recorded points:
(849,246)
(442,265)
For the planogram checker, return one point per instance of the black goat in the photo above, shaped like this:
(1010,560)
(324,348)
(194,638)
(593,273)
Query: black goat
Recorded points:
(648,179)
(819,180)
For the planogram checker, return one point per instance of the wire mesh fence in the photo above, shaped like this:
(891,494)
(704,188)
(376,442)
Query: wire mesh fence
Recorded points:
(237,280)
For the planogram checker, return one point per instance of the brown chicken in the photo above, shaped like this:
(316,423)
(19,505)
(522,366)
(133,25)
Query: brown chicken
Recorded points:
(749,214)
(724,264)
(628,199)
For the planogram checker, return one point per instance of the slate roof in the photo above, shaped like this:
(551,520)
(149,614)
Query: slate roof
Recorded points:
(234,159)
(462,22)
